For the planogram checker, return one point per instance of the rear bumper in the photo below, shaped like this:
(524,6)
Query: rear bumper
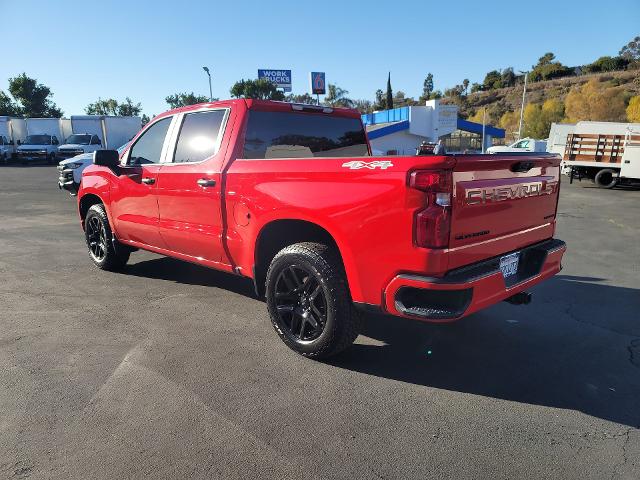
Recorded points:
(468,289)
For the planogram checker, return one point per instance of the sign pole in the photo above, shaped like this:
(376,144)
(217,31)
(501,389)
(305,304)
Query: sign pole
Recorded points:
(318,98)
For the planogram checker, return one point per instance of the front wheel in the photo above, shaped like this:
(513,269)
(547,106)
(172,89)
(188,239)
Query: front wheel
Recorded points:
(309,302)
(606,178)
(105,252)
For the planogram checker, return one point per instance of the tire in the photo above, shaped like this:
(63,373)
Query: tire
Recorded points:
(606,178)
(309,302)
(105,252)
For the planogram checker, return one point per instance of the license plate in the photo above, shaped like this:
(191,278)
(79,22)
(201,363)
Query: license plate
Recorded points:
(509,264)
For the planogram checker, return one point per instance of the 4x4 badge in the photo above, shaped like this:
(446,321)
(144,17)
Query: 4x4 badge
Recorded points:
(358,164)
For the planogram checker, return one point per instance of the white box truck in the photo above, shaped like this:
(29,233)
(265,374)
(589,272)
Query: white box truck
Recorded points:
(95,132)
(606,152)
(12,133)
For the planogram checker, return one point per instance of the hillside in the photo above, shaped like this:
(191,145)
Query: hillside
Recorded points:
(502,100)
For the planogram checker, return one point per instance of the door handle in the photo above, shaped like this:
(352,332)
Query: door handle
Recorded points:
(148,180)
(206,182)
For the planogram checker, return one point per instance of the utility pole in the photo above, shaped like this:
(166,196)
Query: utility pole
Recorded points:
(484,122)
(524,92)
(206,69)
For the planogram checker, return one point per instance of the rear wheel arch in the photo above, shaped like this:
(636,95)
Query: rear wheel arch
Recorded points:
(278,234)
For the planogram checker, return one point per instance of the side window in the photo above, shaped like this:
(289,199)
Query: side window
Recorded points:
(148,147)
(198,137)
(95,140)
(55,141)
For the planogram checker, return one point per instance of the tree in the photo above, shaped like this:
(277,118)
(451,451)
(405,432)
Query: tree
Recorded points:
(427,88)
(183,99)
(606,64)
(304,98)
(633,110)
(129,109)
(400,99)
(596,101)
(260,88)
(510,121)
(631,51)
(8,106)
(337,97)
(381,102)
(436,95)
(492,80)
(507,77)
(33,98)
(476,87)
(111,106)
(145,119)
(363,106)
(538,118)
(389,92)
(108,106)
(547,68)
(465,85)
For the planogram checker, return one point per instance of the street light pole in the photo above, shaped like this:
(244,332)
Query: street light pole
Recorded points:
(206,69)
(524,92)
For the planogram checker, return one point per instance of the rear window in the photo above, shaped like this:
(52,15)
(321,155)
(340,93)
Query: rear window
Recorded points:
(300,135)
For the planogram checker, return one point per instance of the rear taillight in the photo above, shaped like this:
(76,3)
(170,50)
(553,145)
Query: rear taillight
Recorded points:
(432,225)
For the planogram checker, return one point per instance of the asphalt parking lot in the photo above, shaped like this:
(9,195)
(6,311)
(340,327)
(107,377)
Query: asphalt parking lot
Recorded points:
(170,370)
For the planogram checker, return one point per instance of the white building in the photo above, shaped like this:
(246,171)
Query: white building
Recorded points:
(401,130)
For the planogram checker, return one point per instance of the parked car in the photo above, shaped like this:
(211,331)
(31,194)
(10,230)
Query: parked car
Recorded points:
(524,145)
(38,148)
(288,195)
(7,149)
(70,170)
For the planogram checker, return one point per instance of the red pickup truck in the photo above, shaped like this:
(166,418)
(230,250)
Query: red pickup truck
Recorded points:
(290,196)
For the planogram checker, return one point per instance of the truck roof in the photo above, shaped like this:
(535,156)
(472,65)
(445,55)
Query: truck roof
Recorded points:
(270,105)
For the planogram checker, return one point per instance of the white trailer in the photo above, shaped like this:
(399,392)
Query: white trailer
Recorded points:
(56,127)
(606,152)
(557,141)
(13,128)
(119,130)
(96,132)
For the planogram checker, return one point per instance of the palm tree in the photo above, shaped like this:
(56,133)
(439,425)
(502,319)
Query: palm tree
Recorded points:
(337,97)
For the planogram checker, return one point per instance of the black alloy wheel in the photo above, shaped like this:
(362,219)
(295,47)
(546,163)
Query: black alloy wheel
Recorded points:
(301,304)
(96,239)
(104,250)
(309,302)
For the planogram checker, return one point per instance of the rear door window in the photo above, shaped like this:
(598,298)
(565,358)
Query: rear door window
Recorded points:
(199,136)
(303,135)
(148,147)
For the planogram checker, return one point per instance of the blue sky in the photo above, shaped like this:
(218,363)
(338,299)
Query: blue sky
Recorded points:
(150,49)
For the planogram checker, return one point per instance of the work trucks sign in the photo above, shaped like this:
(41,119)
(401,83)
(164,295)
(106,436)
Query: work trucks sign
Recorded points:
(281,78)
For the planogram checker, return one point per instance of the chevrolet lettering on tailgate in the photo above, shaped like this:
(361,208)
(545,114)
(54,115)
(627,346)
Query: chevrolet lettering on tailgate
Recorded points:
(473,196)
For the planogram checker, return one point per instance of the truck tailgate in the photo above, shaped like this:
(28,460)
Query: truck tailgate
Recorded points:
(501,203)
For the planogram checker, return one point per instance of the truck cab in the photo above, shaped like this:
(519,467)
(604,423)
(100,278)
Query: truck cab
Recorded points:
(529,145)
(7,149)
(79,143)
(39,147)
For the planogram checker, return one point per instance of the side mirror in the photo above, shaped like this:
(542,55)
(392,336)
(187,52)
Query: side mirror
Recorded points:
(106,158)
(19,143)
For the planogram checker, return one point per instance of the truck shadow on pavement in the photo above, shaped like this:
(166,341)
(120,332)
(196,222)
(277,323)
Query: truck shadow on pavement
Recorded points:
(577,346)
